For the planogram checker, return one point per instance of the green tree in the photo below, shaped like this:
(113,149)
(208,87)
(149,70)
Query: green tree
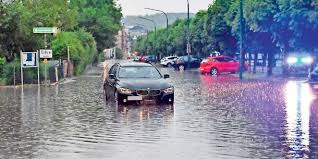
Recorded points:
(199,34)
(101,18)
(19,17)
(219,31)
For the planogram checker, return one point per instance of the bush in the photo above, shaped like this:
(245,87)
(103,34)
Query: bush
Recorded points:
(2,61)
(101,57)
(30,74)
(7,74)
(82,47)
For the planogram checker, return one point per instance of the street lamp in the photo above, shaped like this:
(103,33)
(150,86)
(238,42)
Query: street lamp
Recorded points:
(167,20)
(188,35)
(154,23)
(242,61)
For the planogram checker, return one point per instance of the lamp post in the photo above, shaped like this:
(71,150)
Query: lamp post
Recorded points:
(155,26)
(188,34)
(167,21)
(242,61)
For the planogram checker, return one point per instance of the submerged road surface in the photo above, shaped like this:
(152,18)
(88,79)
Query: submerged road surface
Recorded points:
(213,117)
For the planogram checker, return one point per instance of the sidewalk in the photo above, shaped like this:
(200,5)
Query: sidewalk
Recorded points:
(261,73)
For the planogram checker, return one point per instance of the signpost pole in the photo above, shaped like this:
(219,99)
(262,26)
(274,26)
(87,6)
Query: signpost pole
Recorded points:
(21,57)
(68,54)
(38,65)
(45,41)
(45,70)
(14,76)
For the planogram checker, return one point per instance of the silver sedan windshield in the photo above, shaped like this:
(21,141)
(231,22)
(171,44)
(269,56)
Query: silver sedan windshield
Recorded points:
(139,72)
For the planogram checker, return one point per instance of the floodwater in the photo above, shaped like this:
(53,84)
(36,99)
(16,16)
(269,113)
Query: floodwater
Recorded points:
(213,117)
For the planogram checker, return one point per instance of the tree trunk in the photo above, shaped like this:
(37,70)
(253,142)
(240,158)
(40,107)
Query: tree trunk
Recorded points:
(249,61)
(255,62)
(264,58)
(270,64)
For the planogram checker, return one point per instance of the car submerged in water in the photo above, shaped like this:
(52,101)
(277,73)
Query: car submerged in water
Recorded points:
(137,82)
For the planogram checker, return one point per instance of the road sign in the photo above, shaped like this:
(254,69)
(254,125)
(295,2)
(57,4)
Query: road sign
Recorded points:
(46,54)
(188,48)
(46,61)
(29,59)
(45,30)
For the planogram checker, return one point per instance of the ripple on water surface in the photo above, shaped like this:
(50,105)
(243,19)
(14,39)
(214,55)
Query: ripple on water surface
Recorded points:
(213,117)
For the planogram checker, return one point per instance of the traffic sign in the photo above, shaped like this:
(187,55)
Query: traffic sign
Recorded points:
(46,61)
(46,54)
(45,30)
(188,48)
(29,59)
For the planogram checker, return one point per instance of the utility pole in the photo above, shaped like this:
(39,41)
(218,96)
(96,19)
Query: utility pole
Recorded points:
(242,59)
(188,34)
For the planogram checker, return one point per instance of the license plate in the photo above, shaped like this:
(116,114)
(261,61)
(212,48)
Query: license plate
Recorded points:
(134,98)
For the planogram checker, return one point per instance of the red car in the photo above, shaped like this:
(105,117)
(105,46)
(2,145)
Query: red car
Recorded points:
(219,64)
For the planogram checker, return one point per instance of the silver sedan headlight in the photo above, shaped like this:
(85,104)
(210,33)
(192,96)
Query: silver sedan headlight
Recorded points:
(169,90)
(125,91)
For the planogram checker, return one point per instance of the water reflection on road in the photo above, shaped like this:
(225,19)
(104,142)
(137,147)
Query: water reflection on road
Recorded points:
(299,98)
(213,117)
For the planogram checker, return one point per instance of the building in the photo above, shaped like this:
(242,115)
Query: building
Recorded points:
(122,41)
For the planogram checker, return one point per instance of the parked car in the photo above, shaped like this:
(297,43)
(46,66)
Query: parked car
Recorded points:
(220,64)
(148,58)
(313,76)
(184,62)
(313,79)
(136,59)
(299,63)
(168,61)
(133,82)
(152,58)
(143,59)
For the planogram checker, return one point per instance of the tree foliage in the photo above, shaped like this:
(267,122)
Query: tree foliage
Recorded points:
(101,18)
(271,27)
(19,17)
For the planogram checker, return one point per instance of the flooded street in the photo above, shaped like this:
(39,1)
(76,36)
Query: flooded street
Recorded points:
(213,117)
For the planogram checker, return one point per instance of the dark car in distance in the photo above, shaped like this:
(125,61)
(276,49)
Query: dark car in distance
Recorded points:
(148,58)
(184,62)
(135,82)
(313,76)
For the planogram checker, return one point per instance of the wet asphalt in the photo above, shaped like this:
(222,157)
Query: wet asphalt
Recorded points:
(213,117)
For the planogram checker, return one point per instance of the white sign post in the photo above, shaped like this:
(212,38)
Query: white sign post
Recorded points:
(46,54)
(29,60)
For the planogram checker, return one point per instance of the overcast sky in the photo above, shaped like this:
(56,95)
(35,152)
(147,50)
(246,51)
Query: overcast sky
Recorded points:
(136,7)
